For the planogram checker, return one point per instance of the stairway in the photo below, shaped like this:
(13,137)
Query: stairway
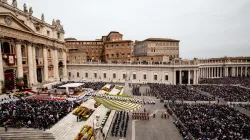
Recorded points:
(63,127)
(25,134)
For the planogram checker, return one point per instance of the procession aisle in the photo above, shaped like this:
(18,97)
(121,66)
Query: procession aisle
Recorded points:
(68,128)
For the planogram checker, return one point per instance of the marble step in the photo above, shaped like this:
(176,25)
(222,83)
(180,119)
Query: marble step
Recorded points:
(63,126)
(24,134)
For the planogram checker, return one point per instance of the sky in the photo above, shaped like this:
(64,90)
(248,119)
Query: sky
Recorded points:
(205,28)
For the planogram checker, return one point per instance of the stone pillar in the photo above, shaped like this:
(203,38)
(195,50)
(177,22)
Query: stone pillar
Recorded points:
(189,77)
(174,77)
(212,72)
(65,66)
(1,68)
(197,77)
(30,64)
(206,72)
(45,64)
(180,77)
(241,71)
(226,71)
(34,64)
(221,72)
(217,72)
(245,71)
(56,72)
(19,60)
(237,74)
(194,77)
(209,72)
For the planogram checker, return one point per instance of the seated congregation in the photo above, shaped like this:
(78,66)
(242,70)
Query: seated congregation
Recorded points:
(120,124)
(211,121)
(34,113)
(177,92)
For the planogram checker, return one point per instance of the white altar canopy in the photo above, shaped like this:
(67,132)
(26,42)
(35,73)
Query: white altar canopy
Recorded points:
(71,85)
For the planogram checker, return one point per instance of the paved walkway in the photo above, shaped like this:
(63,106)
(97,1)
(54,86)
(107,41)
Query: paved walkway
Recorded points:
(68,128)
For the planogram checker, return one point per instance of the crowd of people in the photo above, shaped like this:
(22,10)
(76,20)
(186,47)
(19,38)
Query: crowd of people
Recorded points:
(125,99)
(243,81)
(120,124)
(227,92)
(140,115)
(211,121)
(177,92)
(136,90)
(34,113)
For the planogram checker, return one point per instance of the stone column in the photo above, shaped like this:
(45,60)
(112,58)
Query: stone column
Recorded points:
(45,64)
(206,72)
(189,77)
(65,66)
(212,72)
(226,71)
(56,72)
(19,60)
(194,77)
(180,77)
(241,71)
(245,71)
(31,66)
(34,64)
(217,72)
(1,68)
(221,72)
(197,77)
(237,72)
(209,72)
(174,77)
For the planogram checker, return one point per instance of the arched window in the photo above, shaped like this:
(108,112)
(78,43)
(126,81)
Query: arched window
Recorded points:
(6,48)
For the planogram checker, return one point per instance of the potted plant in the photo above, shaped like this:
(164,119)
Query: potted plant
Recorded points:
(20,83)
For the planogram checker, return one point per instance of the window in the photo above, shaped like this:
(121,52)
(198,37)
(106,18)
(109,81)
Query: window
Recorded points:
(104,75)
(166,77)
(155,77)
(107,55)
(58,35)
(48,33)
(37,29)
(134,76)
(144,76)
(86,75)
(152,58)
(114,75)
(124,76)
(117,46)
(23,51)
(95,75)
(69,74)
(77,74)
(112,55)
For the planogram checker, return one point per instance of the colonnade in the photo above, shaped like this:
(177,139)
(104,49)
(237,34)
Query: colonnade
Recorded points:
(192,75)
(224,71)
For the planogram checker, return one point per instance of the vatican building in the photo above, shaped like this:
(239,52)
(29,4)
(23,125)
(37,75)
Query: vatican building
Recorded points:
(31,49)
(110,88)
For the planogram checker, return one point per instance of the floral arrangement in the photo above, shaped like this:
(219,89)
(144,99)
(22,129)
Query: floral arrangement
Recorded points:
(119,88)
(106,89)
(87,131)
(97,104)
(21,94)
(84,112)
